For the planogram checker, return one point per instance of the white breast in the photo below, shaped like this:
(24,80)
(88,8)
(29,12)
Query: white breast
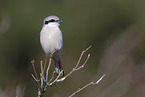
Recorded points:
(51,39)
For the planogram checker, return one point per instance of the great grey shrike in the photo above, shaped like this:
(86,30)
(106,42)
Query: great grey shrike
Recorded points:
(52,41)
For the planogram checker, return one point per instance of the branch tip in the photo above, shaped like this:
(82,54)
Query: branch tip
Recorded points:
(100,79)
(88,48)
(32,61)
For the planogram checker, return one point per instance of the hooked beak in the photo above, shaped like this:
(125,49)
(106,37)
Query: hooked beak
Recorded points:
(59,21)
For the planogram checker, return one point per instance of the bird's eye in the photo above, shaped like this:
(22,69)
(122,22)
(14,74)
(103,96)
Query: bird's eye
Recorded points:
(46,22)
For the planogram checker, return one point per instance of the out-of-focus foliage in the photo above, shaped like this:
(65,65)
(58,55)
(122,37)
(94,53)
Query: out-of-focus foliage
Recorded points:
(114,28)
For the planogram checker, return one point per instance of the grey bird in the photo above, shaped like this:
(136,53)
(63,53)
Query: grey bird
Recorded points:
(51,40)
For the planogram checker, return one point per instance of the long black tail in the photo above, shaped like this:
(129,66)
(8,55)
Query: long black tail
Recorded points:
(58,66)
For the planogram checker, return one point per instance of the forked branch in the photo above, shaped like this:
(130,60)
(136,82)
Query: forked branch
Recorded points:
(43,81)
(91,83)
(76,67)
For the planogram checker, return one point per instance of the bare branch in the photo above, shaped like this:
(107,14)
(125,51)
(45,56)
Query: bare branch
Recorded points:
(43,82)
(91,83)
(34,69)
(48,69)
(36,78)
(52,77)
(45,62)
(42,71)
(76,67)
(49,65)
(84,63)
(82,55)
(50,84)
(42,74)
(100,79)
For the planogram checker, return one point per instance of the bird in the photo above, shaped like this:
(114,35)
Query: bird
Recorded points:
(51,40)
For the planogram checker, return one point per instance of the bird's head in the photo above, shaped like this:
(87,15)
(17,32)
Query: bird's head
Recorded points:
(52,21)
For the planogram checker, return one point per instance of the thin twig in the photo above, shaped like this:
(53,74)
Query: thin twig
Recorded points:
(52,77)
(100,79)
(45,62)
(36,78)
(75,69)
(48,69)
(47,83)
(55,79)
(44,78)
(42,70)
(34,69)
(42,74)
(81,56)
(84,63)
(91,83)
(49,65)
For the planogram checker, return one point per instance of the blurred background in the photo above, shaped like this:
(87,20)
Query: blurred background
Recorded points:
(115,29)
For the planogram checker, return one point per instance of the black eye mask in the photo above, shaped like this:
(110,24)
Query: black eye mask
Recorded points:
(52,20)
